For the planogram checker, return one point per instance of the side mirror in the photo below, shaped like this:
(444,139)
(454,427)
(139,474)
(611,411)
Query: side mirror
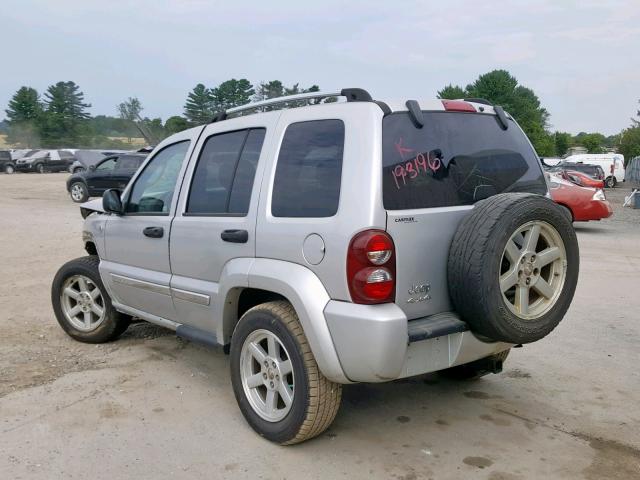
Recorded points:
(111,201)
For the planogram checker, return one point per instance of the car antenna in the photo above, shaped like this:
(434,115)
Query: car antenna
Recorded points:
(415,113)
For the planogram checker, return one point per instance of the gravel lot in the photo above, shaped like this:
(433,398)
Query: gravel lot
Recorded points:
(153,406)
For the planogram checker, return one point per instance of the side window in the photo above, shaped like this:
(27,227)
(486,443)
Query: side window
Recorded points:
(154,187)
(128,163)
(307,180)
(107,165)
(223,178)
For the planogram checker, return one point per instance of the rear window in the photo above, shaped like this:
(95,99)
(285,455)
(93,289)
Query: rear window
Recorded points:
(455,159)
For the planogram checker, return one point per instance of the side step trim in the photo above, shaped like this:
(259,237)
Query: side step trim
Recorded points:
(434,326)
(196,335)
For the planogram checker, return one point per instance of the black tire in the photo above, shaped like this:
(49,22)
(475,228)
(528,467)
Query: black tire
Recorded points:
(611,182)
(316,400)
(9,168)
(39,167)
(114,323)
(81,186)
(567,212)
(475,262)
(478,368)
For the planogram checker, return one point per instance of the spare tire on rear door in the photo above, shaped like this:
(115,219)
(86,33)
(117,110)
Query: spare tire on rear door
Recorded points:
(513,267)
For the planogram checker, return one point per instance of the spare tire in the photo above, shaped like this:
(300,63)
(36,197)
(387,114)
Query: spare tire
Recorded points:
(513,267)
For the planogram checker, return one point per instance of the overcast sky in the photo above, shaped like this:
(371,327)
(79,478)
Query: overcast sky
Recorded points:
(581,58)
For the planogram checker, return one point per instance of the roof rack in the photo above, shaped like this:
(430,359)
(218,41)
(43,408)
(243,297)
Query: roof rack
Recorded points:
(351,94)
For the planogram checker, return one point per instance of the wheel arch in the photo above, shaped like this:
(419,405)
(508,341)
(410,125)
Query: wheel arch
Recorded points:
(267,280)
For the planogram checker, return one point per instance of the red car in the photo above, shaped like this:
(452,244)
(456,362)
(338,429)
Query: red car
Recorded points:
(584,203)
(581,179)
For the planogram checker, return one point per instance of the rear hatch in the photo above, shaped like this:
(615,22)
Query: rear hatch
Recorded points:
(432,176)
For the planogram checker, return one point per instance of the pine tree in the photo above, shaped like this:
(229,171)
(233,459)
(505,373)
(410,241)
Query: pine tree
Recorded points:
(232,93)
(199,106)
(63,122)
(24,109)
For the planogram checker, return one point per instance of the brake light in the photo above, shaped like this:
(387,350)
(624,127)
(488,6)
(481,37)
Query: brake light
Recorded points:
(458,106)
(371,267)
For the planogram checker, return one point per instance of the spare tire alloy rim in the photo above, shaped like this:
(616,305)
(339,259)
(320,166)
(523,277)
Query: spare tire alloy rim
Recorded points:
(77,191)
(266,373)
(82,303)
(533,270)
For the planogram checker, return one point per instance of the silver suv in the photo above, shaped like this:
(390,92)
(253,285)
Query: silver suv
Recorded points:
(325,243)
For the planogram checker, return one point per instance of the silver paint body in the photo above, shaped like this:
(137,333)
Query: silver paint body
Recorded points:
(191,277)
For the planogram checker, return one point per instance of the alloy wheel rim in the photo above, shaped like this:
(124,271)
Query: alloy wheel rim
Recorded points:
(9,169)
(76,192)
(266,373)
(82,303)
(533,270)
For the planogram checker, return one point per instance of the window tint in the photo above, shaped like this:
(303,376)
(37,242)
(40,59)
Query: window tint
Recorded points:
(107,165)
(128,163)
(455,159)
(153,190)
(223,178)
(307,180)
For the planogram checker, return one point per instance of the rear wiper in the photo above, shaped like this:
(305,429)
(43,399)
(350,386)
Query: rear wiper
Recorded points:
(415,113)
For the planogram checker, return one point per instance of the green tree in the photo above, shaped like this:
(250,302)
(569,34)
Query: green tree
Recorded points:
(130,109)
(64,120)
(231,93)
(175,124)
(562,143)
(24,109)
(267,90)
(501,88)
(199,106)
(452,92)
(592,142)
(629,145)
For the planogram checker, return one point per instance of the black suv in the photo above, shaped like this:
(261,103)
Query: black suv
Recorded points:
(112,172)
(7,164)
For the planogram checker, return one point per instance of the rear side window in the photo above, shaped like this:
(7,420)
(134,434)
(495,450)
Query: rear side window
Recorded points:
(307,180)
(223,179)
(455,159)
(128,163)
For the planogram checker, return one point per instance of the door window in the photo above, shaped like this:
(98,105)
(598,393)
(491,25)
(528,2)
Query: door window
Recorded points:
(307,181)
(128,163)
(107,165)
(223,178)
(154,187)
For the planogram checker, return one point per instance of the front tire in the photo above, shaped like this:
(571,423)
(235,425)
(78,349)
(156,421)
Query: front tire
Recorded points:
(79,192)
(276,380)
(9,169)
(81,303)
(40,168)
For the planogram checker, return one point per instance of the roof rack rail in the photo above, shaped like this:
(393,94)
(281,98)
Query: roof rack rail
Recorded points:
(478,100)
(351,94)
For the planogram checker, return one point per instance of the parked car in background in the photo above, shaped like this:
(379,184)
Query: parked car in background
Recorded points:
(594,171)
(611,163)
(18,153)
(112,172)
(583,203)
(42,161)
(548,162)
(7,165)
(581,179)
(89,158)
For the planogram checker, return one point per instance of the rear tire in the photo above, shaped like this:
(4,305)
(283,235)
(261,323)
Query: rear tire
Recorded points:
(611,182)
(9,169)
(513,267)
(270,353)
(40,168)
(81,303)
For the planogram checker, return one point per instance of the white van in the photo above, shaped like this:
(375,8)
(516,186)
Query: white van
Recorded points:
(611,163)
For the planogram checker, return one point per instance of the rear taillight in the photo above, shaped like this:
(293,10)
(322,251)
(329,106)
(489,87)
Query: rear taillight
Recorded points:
(458,106)
(371,267)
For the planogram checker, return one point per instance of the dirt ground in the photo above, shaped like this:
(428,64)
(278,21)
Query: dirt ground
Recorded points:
(153,406)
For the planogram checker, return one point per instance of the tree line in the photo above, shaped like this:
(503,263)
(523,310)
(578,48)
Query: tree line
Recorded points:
(59,118)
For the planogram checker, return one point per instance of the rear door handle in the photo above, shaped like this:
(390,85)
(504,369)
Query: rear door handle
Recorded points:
(153,232)
(235,236)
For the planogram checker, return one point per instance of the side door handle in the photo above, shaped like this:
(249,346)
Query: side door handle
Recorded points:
(235,236)
(153,232)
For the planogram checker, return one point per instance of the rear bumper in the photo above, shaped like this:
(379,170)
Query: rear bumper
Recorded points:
(376,343)
(594,210)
